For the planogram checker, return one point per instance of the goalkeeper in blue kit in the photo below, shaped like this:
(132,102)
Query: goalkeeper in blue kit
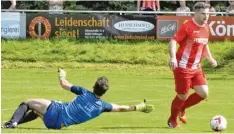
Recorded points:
(85,106)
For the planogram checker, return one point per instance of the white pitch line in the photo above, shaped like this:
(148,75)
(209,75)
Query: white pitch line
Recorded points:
(6,109)
(16,97)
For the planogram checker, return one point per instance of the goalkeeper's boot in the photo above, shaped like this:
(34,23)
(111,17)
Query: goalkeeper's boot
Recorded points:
(183,117)
(172,124)
(9,124)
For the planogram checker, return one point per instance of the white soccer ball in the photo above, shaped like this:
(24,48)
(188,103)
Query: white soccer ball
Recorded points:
(218,123)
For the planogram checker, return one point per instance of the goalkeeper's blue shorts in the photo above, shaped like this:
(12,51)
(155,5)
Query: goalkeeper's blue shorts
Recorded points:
(53,117)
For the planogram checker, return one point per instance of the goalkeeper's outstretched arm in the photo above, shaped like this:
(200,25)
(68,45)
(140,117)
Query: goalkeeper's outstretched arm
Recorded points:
(122,108)
(62,79)
(142,107)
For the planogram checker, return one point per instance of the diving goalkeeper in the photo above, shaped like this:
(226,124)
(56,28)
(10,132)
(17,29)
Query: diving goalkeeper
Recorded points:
(85,106)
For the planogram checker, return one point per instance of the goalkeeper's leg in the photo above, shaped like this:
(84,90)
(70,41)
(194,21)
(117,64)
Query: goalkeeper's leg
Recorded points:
(17,116)
(38,105)
(29,116)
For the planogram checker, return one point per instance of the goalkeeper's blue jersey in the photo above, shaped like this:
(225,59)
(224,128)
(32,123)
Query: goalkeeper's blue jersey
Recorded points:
(84,107)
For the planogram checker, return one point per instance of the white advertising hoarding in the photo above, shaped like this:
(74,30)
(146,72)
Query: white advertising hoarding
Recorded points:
(13,25)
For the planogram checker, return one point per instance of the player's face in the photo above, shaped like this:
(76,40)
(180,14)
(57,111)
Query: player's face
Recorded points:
(203,15)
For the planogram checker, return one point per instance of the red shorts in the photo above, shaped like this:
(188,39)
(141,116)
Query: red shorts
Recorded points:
(187,78)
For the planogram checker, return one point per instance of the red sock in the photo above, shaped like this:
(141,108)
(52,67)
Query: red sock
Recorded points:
(193,99)
(176,106)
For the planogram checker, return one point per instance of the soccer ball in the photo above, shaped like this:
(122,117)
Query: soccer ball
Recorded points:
(218,123)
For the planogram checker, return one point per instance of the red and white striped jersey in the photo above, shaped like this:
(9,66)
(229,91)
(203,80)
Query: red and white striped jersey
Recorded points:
(191,39)
(148,4)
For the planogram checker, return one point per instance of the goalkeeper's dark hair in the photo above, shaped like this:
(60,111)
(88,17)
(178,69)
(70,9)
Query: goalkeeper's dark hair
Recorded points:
(101,86)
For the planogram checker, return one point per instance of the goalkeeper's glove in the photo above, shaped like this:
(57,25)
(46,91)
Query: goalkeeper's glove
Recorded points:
(62,74)
(142,107)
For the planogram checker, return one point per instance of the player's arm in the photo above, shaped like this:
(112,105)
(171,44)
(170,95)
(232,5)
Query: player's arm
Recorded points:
(208,56)
(122,108)
(207,53)
(142,107)
(172,52)
(62,79)
(78,90)
(179,36)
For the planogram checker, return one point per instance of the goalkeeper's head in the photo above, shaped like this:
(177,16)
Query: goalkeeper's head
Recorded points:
(100,86)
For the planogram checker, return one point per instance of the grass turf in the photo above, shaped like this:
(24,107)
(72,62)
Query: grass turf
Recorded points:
(127,86)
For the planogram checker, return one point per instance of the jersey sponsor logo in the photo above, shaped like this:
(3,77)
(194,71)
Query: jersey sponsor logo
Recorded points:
(221,29)
(196,32)
(134,26)
(202,41)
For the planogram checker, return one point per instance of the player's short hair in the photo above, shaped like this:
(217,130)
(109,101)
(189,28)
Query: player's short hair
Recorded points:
(101,86)
(200,5)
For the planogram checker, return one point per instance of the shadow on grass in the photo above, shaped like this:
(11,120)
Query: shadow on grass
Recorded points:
(220,78)
(209,131)
(28,128)
(140,127)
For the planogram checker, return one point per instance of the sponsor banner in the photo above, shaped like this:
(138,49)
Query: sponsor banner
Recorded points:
(221,27)
(82,26)
(133,27)
(166,28)
(65,25)
(90,26)
(38,26)
(13,25)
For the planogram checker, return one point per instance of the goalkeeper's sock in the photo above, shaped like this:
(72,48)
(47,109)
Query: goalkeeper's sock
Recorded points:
(176,106)
(20,112)
(192,100)
(29,116)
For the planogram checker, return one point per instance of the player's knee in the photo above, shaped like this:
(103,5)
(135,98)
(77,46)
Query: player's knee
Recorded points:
(24,105)
(29,102)
(206,94)
(203,93)
(182,97)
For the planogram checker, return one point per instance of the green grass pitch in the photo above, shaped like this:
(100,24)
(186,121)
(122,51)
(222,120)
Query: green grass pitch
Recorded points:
(127,86)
